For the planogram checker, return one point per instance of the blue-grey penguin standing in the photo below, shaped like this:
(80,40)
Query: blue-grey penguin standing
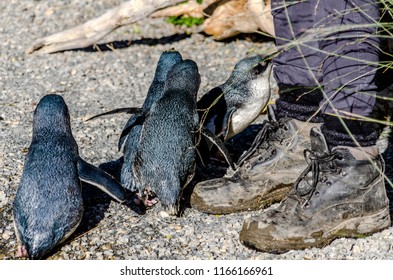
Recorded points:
(48,204)
(228,109)
(131,133)
(165,158)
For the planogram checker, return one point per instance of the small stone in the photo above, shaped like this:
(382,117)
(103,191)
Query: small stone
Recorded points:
(163,215)
(108,253)
(356,249)
(5,236)
(194,243)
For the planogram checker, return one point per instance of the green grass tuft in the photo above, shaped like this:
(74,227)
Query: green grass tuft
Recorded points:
(182,20)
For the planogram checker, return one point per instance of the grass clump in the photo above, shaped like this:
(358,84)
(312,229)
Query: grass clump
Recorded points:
(183,20)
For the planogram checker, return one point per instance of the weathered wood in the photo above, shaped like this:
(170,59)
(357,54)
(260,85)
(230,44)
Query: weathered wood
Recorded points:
(261,12)
(228,19)
(190,8)
(93,30)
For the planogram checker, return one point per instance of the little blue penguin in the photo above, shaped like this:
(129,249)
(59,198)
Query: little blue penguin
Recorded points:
(131,133)
(165,158)
(48,204)
(228,109)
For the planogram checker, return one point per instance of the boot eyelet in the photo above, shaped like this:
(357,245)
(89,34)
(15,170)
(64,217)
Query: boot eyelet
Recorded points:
(343,173)
(328,183)
(307,205)
(260,158)
(316,193)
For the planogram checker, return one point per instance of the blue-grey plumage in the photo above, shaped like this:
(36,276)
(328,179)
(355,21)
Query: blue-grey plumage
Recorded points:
(228,109)
(131,133)
(48,204)
(165,158)
(92,175)
(165,63)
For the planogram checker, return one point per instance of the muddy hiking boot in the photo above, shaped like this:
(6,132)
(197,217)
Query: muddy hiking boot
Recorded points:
(266,171)
(340,194)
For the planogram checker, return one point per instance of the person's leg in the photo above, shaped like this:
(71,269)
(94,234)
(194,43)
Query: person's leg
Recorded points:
(341,193)
(349,70)
(270,167)
(297,68)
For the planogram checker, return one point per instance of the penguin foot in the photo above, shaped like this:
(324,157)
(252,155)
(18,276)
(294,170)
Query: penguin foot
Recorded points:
(147,198)
(22,252)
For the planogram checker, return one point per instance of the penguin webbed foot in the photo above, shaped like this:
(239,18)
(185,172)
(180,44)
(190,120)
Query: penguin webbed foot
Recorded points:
(148,198)
(22,252)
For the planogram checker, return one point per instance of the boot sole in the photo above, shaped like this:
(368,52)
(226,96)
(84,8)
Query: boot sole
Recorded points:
(352,228)
(257,203)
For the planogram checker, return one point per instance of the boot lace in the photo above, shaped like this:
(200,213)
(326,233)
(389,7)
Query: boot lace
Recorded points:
(317,163)
(269,127)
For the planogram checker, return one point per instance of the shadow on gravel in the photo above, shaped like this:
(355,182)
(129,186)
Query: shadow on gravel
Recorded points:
(96,204)
(7,251)
(116,45)
(251,37)
(217,166)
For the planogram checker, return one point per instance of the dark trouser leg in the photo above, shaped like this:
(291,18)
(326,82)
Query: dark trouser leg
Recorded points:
(297,69)
(349,68)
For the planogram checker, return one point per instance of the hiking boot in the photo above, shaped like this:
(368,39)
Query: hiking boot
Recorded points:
(340,194)
(265,172)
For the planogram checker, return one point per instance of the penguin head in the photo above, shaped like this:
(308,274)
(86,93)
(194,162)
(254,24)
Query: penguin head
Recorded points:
(184,77)
(167,60)
(51,114)
(255,64)
(249,76)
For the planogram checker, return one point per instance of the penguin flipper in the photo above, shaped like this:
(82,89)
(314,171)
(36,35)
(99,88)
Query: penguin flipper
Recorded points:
(226,121)
(129,126)
(93,175)
(128,110)
(211,109)
(113,167)
(220,145)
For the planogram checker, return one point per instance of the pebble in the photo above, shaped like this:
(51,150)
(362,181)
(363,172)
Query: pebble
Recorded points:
(6,236)
(164,214)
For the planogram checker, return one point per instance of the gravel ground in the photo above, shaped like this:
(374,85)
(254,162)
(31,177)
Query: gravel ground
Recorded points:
(95,80)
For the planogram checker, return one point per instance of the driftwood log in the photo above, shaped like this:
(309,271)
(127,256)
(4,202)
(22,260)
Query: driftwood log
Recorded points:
(223,19)
(241,16)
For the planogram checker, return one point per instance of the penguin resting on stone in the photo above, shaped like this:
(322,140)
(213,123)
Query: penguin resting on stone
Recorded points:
(48,204)
(228,109)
